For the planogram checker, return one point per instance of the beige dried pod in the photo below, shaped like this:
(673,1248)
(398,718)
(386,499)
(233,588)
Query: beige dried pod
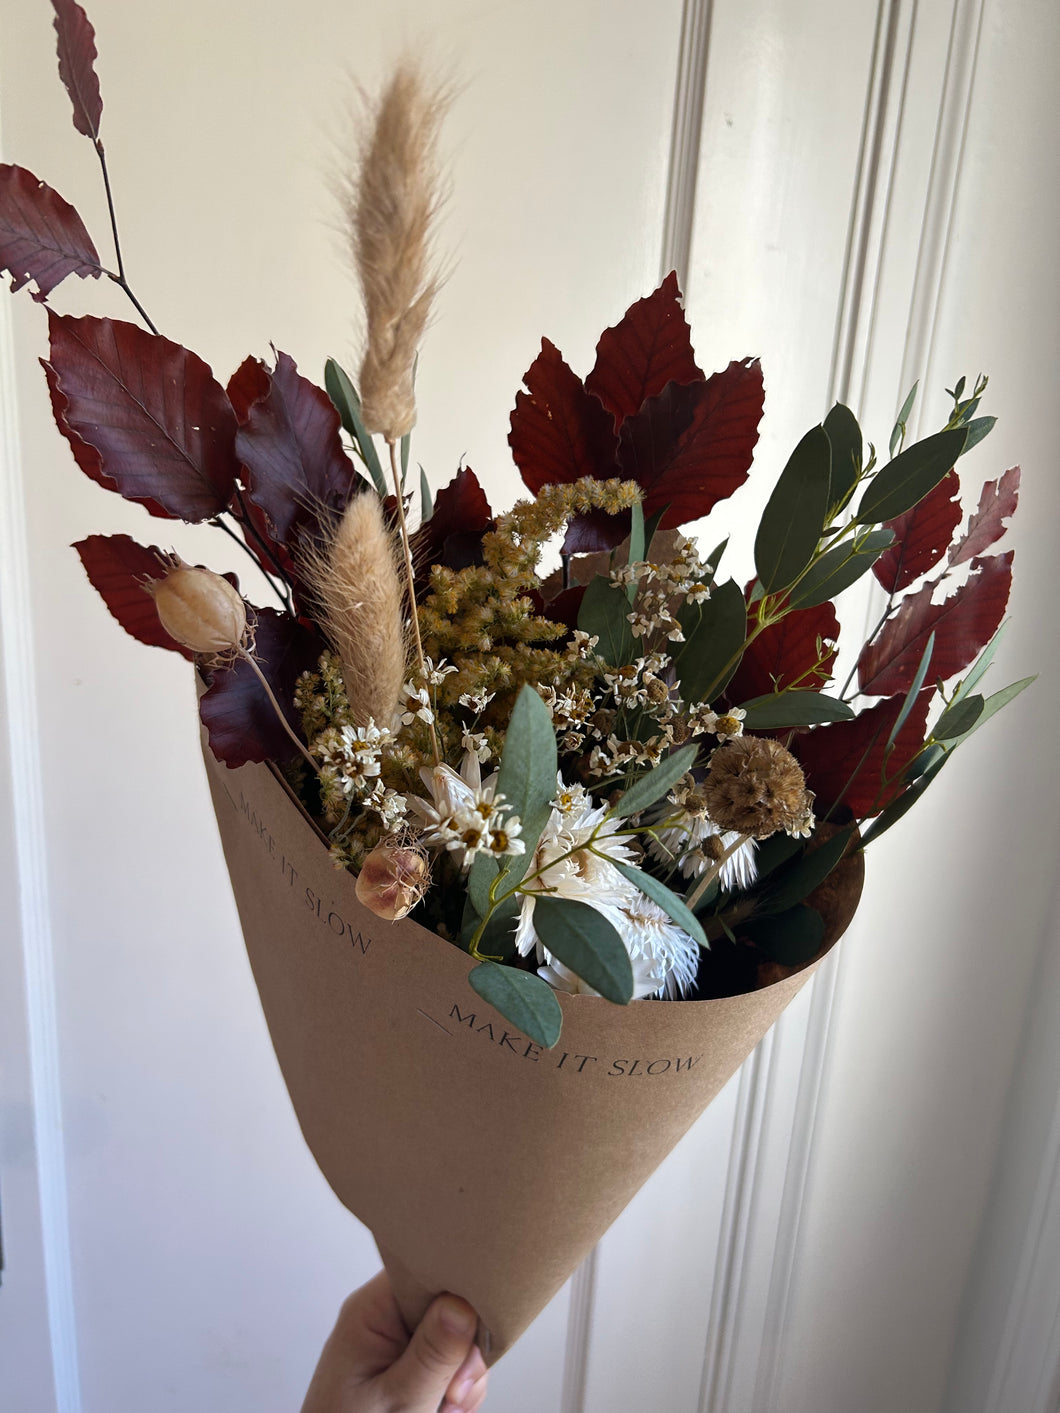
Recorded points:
(392,880)
(356,581)
(203,612)
(199,609)
(390,208)
(755,787)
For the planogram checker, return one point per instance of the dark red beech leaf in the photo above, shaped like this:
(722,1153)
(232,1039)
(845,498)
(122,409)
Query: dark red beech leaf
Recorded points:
(996,503)
(596,531)
(844,761)
(785,655)
(288,441)
(453,534)
(42,238)
(240,722)
(559,431)
(87,457)
(77,56)
(714,454)
(962,624)
(921,536)
(650,346)
(163,427)
(118,568)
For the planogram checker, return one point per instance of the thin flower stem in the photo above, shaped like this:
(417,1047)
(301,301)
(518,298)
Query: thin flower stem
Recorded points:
(248,657)
(280,594)
(119,278)
(410,582)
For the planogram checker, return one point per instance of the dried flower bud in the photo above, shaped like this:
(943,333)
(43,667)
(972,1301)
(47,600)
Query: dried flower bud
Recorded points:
(392,880)
(756,787)
(199,609)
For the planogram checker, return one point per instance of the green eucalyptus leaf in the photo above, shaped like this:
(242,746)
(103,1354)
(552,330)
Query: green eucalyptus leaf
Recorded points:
(792,938)
(583,940)
(994,704)
(651,525)
(978,428)
(906,480)
(772,853)
(793,708)
(845,438)
(958,719)
(714,558)
(898,431)
(604,614)
(914,690)
(674,907)
(902,804)
(923,761)
(978,669)
(838,568)
(795,513)
(715,632)
(637,543)
(655,784)
(348,405)
(527,777)
(406,443)
(426,499)
(801,877)
(522,997)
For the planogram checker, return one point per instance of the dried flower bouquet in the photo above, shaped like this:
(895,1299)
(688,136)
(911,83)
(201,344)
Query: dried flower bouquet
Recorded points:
(629,777)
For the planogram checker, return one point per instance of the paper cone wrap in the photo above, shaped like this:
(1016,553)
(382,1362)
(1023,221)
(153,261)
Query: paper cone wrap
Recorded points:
(482,1163)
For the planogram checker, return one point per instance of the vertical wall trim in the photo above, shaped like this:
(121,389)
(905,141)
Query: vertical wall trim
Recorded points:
(33,904)
(852,360)
(579,1324)
(692,56)
(33,900)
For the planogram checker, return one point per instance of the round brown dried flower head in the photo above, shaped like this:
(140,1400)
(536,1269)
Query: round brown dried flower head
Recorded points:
(200,610)
(392,880)
(756,787)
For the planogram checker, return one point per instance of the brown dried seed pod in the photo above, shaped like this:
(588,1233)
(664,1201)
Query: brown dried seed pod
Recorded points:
(755,786)
(392,880)
(199,609)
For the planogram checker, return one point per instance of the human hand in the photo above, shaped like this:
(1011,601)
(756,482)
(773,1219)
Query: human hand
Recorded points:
(371,1365)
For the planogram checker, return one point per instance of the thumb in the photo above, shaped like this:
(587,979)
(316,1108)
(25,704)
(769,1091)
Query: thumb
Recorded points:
(440,1344)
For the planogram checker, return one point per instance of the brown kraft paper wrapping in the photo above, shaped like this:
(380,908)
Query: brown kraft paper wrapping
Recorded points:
(482,1163)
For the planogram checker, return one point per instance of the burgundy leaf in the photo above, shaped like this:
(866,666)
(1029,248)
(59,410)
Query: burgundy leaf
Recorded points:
(843,761)
(565,607)
(296,471)
(560,432)
(996,503)
(42,237)
(77,55)
(241,724)
(596,531)
(921,536)
(649,347)
(962,624)
(163,428)
(785,655)
(453,534)
(118,568)
(713,456)
(87,457)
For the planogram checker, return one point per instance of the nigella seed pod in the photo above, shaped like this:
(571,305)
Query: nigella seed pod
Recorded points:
(199,609)
(392,880)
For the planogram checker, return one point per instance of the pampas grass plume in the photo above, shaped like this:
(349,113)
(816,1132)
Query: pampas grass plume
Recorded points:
(358,587)
(390,207)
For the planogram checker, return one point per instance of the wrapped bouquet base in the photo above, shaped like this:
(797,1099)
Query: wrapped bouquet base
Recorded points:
(482,1163)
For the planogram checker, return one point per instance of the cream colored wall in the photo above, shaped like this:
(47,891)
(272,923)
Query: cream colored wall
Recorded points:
(205,1255)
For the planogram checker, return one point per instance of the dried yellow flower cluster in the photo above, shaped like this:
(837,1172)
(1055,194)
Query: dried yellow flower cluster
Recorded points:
(483,620)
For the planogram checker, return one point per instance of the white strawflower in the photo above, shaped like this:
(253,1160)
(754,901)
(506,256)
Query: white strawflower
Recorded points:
(663,957)
(696,843)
